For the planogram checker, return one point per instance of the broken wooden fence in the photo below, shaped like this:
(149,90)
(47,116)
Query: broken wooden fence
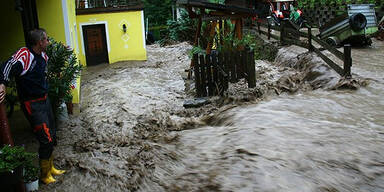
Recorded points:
(290,35)
(213,72)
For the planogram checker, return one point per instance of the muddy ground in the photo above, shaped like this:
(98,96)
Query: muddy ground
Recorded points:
(126,137)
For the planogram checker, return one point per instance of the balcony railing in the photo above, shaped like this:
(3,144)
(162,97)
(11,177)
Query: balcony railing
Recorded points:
(84,4)
(96,6)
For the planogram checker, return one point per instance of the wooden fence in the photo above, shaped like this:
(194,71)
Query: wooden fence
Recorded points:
(214,72)
(290,35)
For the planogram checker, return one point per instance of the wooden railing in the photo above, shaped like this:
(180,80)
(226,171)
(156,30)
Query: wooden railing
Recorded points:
(290,35)
(214,72)
(89,4)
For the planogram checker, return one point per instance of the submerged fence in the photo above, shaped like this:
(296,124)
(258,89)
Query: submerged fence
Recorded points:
(291,35)
(214,72)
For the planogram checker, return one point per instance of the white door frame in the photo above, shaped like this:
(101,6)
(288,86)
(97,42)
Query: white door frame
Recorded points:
(94,23)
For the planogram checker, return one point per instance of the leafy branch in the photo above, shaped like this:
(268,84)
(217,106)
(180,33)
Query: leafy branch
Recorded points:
(63,69)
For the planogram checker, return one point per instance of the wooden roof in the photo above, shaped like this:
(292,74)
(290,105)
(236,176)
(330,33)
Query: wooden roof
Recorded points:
(216,6)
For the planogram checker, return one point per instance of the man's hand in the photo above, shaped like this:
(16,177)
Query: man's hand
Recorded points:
(2,92)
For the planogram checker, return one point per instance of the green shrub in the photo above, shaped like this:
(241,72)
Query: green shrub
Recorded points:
(157,12)
(11,99)
(13,157)
(183,29)
(63,69)
(31,172)
(229,42)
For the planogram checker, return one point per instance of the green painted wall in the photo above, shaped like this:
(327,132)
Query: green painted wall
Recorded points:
(11,35)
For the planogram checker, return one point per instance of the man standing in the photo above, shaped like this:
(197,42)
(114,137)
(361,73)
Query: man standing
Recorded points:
(29,67)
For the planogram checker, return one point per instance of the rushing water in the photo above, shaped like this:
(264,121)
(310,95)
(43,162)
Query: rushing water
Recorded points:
(309,141)
(320,140)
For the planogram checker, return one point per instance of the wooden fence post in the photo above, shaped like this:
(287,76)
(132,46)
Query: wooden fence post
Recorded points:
(208,65)
(221,32)
(226,70)
(282,32)
(251,68)
(310,48)
(203,70)
(269,31)
(220,63)
(232,66)
(195,43)
(196,68)
(215,74)
(347,60)
(240,64)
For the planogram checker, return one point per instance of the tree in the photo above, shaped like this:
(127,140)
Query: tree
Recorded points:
(158,11)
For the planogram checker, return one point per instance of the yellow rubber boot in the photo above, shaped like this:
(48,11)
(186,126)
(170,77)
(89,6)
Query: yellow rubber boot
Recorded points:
(46,176)
(55,171)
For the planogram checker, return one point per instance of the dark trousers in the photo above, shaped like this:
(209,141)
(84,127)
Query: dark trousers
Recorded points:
(40,116)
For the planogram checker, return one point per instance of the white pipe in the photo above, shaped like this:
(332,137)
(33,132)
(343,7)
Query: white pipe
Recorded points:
(173,12)
(146,31)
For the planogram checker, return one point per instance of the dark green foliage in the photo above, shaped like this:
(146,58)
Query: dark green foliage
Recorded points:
(311,3)
(183,29)
(31,172)
(12,157)
(217,1)
(196,50)
(11,97)
(63,69)
(266,52)
(263,51)
(158,12)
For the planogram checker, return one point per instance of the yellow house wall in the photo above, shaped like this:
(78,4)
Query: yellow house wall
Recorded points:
(72,30)
(71,13)
(121,46)
(50,14)
(12,34)
(58,17)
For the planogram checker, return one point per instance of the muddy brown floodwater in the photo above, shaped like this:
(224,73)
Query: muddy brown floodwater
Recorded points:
(301,129)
